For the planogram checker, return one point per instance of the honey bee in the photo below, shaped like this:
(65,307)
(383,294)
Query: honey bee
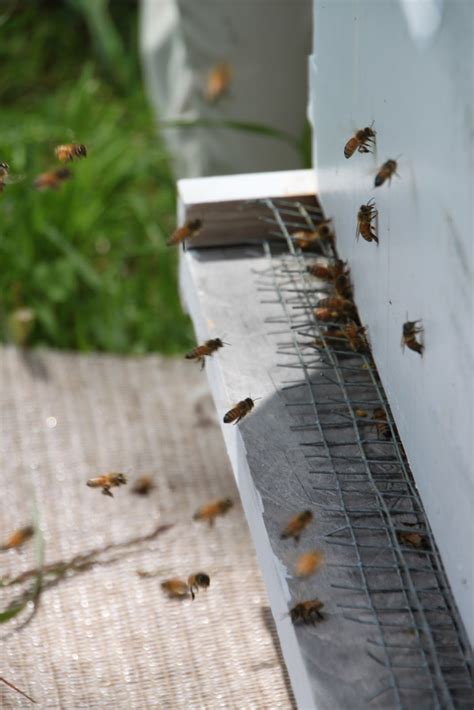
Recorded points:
(238,412)
(307,612)
(197,581)
(360,141)
(52,179)
(143,486)
(218,80)
(189,230)
(107,481)
(366,215)
(413,539)
(409,333)
(296,525)
(210,511)
(331,272)
(66,153)
(18,538)
(343,286)
(201,351)
(175,588)
(386,172)
(306,238)
(381,424)
(335,309)
(309,562)
(356,337)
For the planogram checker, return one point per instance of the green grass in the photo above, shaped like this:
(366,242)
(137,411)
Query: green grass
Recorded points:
(90,259)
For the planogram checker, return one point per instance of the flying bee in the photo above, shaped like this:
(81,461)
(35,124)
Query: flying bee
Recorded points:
(218,80)
(238,412)
(210,511)
(308,612)
(66,153)
(201,351)
(197,581)
(189,230)
(386,172)
(366,215)
(356,337)
(409,333)
(360,141)
(143,486)
(309,562)
(52,179)
(18,538)
(175,588)
(107,481)
(413,539)
(296,525)
(381,424)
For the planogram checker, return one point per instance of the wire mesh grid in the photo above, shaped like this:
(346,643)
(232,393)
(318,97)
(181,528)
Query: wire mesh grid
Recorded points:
(396,586)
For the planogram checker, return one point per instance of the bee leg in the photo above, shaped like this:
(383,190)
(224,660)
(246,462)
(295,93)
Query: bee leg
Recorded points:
(107,492)
(297,539)
(193,596)
(203,362)
(211,522)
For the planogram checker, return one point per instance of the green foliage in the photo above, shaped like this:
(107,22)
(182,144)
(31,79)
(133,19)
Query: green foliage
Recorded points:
(90,258)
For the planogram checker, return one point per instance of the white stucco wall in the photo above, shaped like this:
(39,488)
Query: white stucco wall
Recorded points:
(370,64)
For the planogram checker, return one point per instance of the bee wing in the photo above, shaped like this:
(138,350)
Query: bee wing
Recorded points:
(12,179)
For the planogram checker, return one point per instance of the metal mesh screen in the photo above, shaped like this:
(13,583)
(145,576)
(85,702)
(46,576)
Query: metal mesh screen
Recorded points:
(395,590)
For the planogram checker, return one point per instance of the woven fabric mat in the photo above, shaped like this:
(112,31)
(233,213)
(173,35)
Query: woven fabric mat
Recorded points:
(103,637)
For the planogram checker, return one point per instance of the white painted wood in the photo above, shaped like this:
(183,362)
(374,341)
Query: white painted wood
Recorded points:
(368,67)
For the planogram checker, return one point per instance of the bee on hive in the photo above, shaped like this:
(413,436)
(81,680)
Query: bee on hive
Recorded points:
(205,350)
(356,337)
(107,481)
(189,230)
(409,333)
(386,172)
(381,424)
(413,539)
(18,538)
(366,215)
(52,179)
(210,511)
(296,525)
(320,236)
(360,141)
(66,153)
(307,612)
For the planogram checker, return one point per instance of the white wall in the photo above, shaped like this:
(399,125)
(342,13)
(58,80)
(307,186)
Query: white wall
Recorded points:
(368,66)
